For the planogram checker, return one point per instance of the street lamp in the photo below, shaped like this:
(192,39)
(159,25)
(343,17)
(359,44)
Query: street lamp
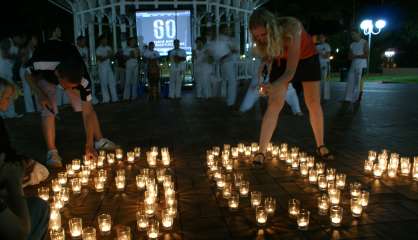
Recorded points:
(369,29)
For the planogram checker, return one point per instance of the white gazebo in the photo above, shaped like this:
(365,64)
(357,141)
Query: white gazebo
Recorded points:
(118,16)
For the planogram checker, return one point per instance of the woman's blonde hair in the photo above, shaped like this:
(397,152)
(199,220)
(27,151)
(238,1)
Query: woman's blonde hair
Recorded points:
(278,28)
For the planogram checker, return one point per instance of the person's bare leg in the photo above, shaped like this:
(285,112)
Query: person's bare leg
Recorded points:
(96,127)
(311,91)
(48,130)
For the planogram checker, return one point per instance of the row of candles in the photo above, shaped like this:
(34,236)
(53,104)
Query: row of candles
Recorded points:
(221,168)
(380,163)
(78,175)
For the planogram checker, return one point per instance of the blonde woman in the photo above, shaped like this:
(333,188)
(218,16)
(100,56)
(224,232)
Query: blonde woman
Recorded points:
(289,51)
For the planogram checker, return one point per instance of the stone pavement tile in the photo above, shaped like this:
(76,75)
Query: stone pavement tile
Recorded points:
(205,228)
(358,232)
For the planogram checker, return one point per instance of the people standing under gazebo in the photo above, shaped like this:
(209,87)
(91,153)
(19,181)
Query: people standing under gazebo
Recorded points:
(131,53)
(177,58)
(202,69)
(152,62)
(106,75)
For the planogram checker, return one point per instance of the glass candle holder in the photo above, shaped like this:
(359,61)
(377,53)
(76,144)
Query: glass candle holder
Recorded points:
(234,152)
(303,219)
(233,202)
(141,220)
(322,182)
(161,174)
(151,159)
(244,188)
(269,147)
(57,234)
(75,225)
(69,170)
(377,170)
(55,185)
(270,205)
(294,207)
(303,167)
(119,154)
(255,198)
(372,155)
(153,229)
(111,158)
(331,174)
(283,147)
(356,208)
(123,233)
(368,165)
(166,160)
(140,181)
(334,196)
(102,174)
(275,151)
(238,178)
(98,184)
(149,208)
(313,177)
(172,207)
(364,197)
(57,201)
(105,223)
(100,161)
(75,185)
(260,216)
(392,171)
(320,168)
(310,162)
(62,178)
(336,215)
(130,157)
(89,233)
(43,193)
(65,194)
(323,204)
(405,166)
(247,151)
(227,190)
(120,183)
(220,182)
(54,219)
(295,163)
(76,164)
(137,151)
(340,180)
(355,189)
(241,147)
(167,220)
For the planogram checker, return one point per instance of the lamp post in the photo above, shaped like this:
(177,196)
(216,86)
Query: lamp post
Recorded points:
(368,27)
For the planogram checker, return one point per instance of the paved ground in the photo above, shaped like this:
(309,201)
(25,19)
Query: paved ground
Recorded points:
(387,118)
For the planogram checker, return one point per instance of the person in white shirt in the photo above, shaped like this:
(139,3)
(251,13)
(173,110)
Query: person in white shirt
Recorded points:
(107,77)
(131,53)
(359,51)
(324,52)
(202,69)
(152,63)
(177,68)
(81,45)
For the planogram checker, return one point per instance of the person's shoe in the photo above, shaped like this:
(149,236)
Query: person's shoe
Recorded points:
(324,153)
(258,159)
(53,159)
(105,144)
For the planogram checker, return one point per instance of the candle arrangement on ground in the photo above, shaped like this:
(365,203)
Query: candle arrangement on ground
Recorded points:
(155,186)
(223,169)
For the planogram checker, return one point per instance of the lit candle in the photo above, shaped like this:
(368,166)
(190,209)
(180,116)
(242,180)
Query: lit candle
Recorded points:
(161,175)
(84,180)
(62,178)
(356,208)
(120,183)
(244,188)
(220,183)
(364,197)
(76,164)
(405,166)
(167,219)
(320,168)
(56,186)
(322,182)
(270,205)
(43,193)
(294,207)
(105,223)
(313,177)
(368,165)
(254,147)
(294,152)
(149,208)
(377,170)
(233,201)
(295,163)
(238,178)
(110,158)
(241,148)
(392,170)
(57,234)
(283,147)
(140,181)
(69,168)
(269,147)
(372,155)
(311,162)
(275,151)
(89,233)
(303,169)
(166,160)
(137,152)
(65,194)
(172,207)
(151,159)
(340,180)
(55,219)
(226,191)
(153,229)
(123,233)
(303,219)
(234,152)
(336,215)
(261,215)
(119,154)
(141,220)
(355,189)
(57,201)
(323,204)
(331,174)
(255,198)
(75,226)
(100,161)
(334,196)
(102,174)
(247,152)
(75,185)
(98,184)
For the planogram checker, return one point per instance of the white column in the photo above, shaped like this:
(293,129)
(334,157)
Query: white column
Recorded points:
(123,23)
(100,22)
(92,44)
(113,20)
(217,19)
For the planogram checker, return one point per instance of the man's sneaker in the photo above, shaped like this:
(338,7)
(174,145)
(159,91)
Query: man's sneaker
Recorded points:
(53,159)
(105,144)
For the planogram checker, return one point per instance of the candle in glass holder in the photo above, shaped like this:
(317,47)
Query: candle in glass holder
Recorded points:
(382,161)
(220,183)
(255,198)
(233,201)
(254,147)
(247,151)
(172,207)
(310,161)
(141,220)
(244,188)
(167,220)
(130,157)
(295,163)
(57,234)
(336,215)
(57,201)
(120,183)
(234,152)
(415,169)
(377,170)
(69,170)
(405,166)
(368,165)
(166,160)
(98,184)
(75,226)
(123,233)
(54,219)
(151,159)
(372,155)
(320,168)
(43,193)
(331,174)
(150,197)
(261,215)
(356,208)
(294,207)
(283,156)
(340,180)
(270,205)
(229,165)
(303,219)
(323,204)
(119,154)
(269,147)
(303,169)
(89,233)
(227,190)
(137,151)
(76,164)
(56,186)
(105,223)
(140,181)
(102,174)
(241,147)
(100,161)
(65,194)
(153,229)
(84,180)
(322,182)
(238,178)
(149,208)
(75,185)
(161,175)
(313,177)
(294,152)
(62,178)
(275,151)
(364,198)
(110,158)
(392,170)
(334,196)
(355,189)
(283,147)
